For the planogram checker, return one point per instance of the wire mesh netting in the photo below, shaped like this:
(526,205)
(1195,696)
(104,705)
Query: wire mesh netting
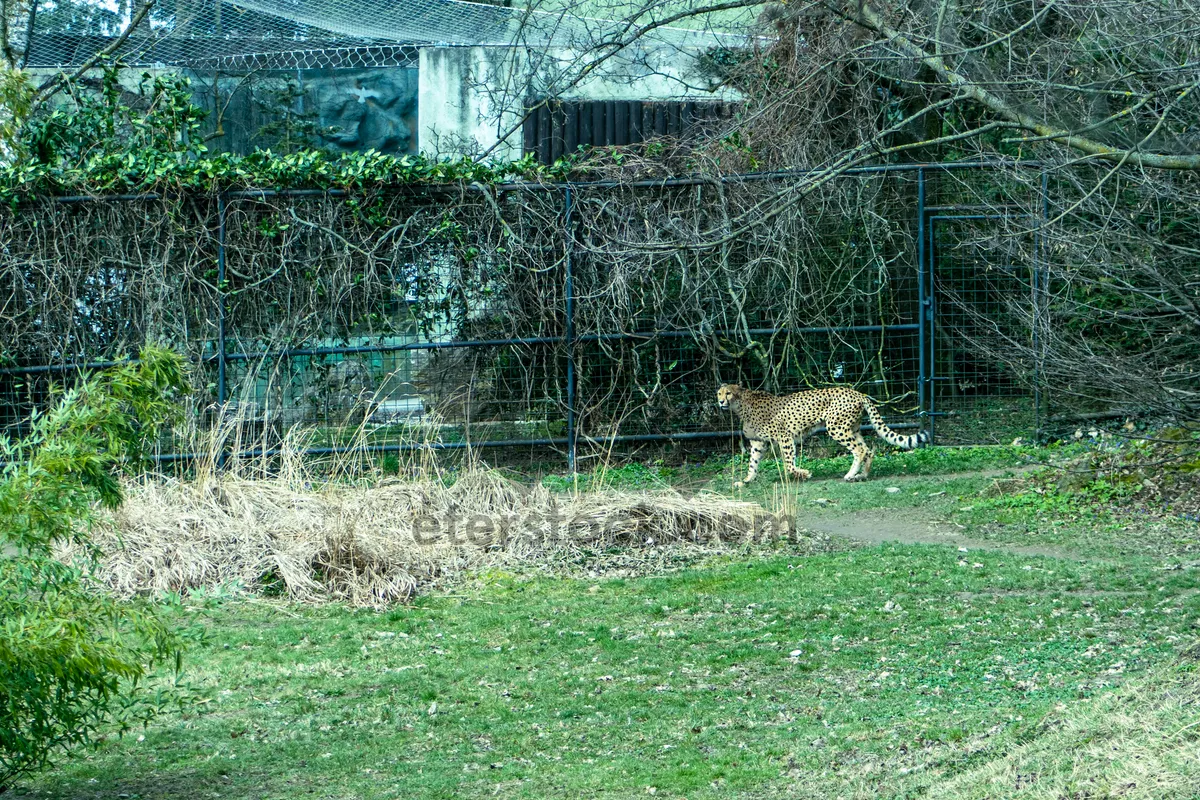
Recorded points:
(322,34)
(977,398)
(981,230)
(573,317)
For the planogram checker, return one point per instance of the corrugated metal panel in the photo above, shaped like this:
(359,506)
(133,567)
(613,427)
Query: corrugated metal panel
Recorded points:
(555,129)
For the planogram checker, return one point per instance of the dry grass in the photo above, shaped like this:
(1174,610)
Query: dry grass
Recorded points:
(337,530)
(374,543)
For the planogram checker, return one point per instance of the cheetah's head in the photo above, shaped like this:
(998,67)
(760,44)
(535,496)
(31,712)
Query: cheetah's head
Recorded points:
(728,395)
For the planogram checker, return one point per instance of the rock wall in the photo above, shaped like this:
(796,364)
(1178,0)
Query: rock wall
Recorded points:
(359,109)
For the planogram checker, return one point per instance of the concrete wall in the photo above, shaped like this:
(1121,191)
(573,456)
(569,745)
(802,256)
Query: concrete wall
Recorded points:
(458,115)
(454,115)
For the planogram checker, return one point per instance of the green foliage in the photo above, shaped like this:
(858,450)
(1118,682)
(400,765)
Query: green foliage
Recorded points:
(722,62)
(70,656)
(15,94)
(291,125)
(104,142)
(1153,472)
(110,132)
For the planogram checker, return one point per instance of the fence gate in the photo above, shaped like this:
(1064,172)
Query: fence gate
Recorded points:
(982,299)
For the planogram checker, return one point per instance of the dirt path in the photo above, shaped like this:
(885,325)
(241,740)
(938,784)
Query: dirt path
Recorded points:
(909,526)
(914,526)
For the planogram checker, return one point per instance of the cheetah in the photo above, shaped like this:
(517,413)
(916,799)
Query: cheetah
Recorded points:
(770,418)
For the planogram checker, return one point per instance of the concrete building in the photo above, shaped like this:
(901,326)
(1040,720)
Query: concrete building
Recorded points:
(444,80)
(475,98)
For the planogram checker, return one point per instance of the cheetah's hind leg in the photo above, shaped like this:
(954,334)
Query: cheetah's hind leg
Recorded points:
(868,456)
(852,440)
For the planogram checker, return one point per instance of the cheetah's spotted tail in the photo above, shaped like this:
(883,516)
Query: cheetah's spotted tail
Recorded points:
(910,442)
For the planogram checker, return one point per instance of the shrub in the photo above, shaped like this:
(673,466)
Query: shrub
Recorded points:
(71,657)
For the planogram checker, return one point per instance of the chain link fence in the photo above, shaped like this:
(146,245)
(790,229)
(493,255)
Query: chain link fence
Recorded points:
(569,318)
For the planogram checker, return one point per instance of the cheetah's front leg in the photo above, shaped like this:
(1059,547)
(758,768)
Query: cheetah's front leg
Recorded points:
(788,450)
(756,453)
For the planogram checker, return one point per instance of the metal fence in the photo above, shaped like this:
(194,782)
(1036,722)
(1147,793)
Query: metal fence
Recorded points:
(611,347)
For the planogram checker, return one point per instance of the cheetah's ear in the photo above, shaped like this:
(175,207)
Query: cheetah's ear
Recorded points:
(735,390)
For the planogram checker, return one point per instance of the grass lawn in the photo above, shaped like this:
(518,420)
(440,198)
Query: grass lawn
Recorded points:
(882,671)
(949,488)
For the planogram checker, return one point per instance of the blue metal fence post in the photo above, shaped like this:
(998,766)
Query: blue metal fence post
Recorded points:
(929,309)
(221,360)
(1039,279)
(921,343)
(569,301)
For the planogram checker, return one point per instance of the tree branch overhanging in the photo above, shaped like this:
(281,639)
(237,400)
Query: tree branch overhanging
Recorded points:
(53,84)
(871,19)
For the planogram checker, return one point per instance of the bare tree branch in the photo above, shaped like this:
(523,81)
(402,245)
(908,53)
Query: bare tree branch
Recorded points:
(870,18)
(53,84)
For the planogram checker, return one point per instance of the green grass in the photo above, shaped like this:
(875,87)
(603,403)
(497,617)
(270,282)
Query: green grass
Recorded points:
(956,489)
(822,460)
(893,672)
(935,479)
(1096,522)
(1138,743)
(927,461)
(910,666)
